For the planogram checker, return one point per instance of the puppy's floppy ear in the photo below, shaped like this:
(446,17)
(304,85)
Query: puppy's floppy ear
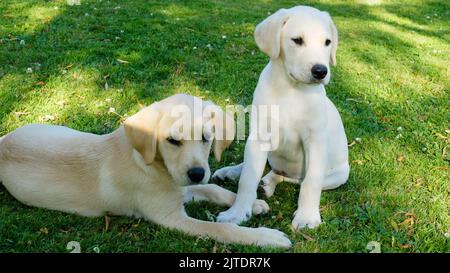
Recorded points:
(268,33)
(141,131)
(223,124)
(224,132)
(334,40)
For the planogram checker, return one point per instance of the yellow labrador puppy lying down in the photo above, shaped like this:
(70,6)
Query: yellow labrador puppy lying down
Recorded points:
(143,169)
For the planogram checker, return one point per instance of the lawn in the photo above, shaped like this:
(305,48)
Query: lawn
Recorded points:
(88,66)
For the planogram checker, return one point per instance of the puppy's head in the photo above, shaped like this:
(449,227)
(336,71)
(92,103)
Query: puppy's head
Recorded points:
(180,131)
(304,38)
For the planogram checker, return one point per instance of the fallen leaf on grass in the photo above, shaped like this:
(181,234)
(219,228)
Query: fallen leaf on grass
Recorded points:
(48,118)
(409,214)
(19,114)
(446,139)
(410,218)
(418,182)
(306,236)
(279,216)
(408,221)
(43,230)
(358,161)
(385,119)
(136,225)
(401,158)
(442,167)
(405,246)
(107,222)
(179,70)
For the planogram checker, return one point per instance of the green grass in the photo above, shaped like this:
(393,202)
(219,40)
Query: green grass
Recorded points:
(393,71)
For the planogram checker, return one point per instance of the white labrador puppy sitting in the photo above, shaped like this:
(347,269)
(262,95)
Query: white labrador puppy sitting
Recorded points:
(143,169)
(301,43)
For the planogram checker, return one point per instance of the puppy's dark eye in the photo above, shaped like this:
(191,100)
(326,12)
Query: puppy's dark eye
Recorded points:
(327,42)
(298,41)
(174,141)
(204,139)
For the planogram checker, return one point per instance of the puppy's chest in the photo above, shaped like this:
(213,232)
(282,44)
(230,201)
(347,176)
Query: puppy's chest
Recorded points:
(297,115)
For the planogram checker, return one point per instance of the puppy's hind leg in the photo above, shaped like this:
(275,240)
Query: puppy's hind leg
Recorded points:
(271,180)
(220,196)
(167,210)
(336,177)
(230,172)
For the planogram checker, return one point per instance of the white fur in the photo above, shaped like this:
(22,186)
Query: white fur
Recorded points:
(313,145)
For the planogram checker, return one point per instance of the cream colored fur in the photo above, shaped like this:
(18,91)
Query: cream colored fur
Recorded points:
(132,171)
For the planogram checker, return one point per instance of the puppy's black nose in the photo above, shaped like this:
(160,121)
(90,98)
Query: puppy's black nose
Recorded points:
(319,71)
(196,174)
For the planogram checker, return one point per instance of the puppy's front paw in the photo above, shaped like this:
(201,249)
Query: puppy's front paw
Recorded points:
(227,173)
(306,218)
(272,237)
(234,215)
(260,206)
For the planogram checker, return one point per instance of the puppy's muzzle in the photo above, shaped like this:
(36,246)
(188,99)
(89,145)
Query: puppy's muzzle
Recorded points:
(196,174)
(319,71)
